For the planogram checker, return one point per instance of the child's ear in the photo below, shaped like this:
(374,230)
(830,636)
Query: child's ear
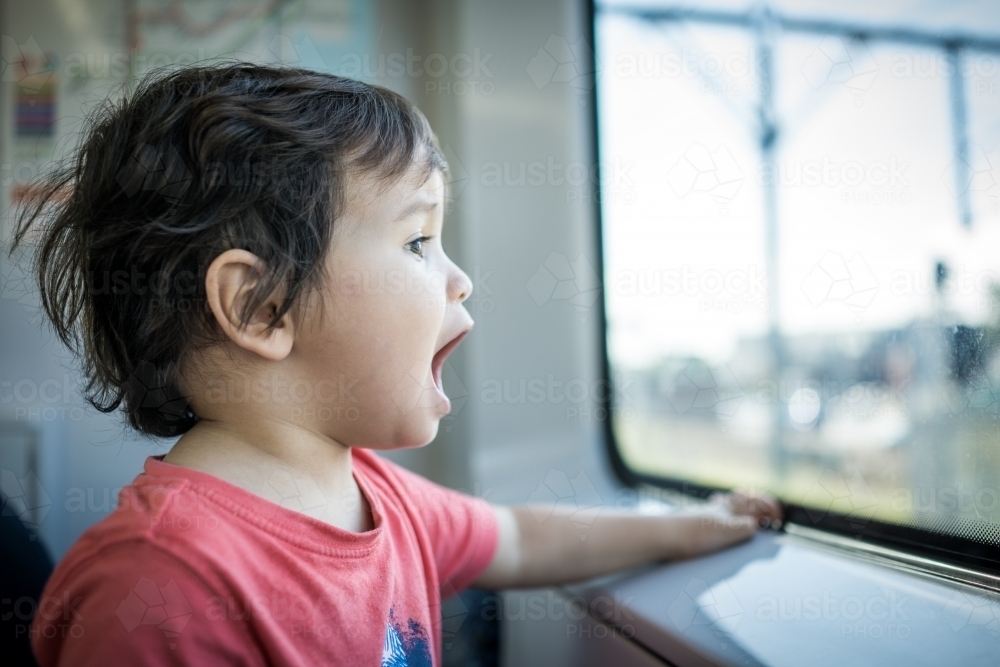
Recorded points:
(228,282)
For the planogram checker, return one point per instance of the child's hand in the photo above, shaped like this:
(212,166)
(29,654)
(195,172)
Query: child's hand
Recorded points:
(764,508)
(728,519)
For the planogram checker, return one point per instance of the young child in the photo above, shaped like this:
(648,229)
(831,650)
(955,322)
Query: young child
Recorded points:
(250,257)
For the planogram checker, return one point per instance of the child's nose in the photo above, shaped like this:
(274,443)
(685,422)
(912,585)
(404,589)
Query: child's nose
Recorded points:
(461,285)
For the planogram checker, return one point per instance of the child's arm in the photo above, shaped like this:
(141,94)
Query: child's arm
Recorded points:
(573,545)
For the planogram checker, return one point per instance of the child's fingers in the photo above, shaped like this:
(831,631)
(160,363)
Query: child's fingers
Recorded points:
(764,508)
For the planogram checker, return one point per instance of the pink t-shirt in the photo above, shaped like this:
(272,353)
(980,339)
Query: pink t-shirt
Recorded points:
(192,570)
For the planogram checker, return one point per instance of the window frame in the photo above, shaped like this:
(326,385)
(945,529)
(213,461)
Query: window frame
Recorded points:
(942,547)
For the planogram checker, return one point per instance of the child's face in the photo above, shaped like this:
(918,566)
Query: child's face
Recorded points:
(392,311)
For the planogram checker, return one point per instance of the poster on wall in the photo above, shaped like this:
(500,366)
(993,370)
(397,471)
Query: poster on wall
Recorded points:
(313,34)
(33,77)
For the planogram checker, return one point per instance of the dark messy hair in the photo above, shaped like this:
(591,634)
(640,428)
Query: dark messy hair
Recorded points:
(192,163)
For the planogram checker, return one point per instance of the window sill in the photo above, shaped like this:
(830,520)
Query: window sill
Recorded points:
(783,599)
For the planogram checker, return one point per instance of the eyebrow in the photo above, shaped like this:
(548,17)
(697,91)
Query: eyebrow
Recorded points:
(416,207)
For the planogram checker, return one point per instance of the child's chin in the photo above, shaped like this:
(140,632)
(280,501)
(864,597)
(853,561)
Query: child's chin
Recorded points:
(419,435)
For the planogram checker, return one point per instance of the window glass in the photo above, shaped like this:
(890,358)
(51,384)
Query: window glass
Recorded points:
(855,367)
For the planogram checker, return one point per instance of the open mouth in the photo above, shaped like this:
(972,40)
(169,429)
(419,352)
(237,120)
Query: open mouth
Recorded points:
(437,363)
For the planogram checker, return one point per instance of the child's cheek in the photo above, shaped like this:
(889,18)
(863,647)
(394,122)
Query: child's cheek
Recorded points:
(346,283)
(430,290)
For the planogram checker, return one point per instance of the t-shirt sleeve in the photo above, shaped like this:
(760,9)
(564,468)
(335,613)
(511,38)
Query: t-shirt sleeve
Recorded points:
(134,604)
(462,529)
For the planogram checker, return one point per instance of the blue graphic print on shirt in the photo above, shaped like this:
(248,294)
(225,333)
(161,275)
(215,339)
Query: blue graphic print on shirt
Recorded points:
(405,646)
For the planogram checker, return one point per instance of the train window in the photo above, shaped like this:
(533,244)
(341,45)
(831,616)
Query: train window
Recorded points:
(801,257)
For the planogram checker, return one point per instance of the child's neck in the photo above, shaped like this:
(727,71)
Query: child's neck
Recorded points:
(281,462)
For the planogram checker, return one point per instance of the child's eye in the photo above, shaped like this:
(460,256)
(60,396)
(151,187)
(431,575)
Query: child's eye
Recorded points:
(416,246)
